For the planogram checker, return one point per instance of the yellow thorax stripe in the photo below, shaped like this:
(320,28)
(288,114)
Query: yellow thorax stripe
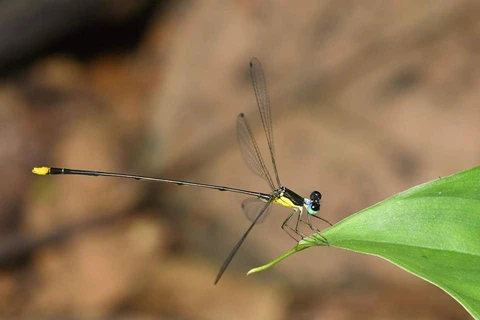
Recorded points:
(284,201)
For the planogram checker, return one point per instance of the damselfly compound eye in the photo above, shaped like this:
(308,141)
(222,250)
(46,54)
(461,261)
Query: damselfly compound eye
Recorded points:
(315,196)
(313,208)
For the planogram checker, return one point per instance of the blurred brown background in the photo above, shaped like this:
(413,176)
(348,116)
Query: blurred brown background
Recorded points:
(368,99)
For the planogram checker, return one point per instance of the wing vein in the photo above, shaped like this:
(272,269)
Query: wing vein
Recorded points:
(240,242)
(263,102)
(250,151)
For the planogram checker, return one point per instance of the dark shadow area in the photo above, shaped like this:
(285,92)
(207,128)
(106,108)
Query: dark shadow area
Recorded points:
(83,31)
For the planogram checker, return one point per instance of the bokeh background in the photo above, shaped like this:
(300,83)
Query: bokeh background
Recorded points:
(369,98)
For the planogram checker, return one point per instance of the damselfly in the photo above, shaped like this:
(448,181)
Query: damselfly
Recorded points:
(257,206)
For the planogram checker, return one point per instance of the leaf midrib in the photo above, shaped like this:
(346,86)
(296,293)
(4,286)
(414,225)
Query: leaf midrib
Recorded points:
(405,245)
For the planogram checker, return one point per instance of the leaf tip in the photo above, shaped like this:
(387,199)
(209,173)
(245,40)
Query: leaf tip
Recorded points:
(251,271)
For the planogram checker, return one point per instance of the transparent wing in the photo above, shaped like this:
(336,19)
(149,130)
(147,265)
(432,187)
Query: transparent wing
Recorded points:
(252,206)
(250,152)
(242,239)
(263,102)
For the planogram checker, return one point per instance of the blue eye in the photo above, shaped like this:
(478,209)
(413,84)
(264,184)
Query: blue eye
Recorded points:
(313,208)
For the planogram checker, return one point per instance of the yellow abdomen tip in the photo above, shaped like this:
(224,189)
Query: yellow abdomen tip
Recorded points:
(41,171)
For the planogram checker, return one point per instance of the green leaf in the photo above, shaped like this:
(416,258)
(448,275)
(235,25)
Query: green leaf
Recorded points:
(431,230)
